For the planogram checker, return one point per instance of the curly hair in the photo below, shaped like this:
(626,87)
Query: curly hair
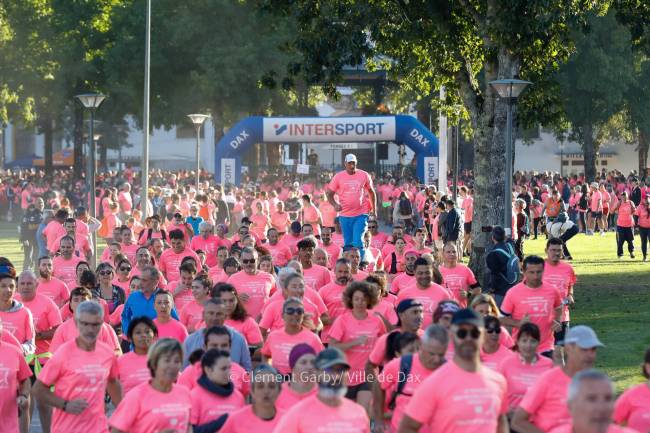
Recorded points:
(370,291)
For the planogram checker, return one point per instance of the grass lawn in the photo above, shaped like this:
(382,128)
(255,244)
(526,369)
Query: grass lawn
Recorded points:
(612,296)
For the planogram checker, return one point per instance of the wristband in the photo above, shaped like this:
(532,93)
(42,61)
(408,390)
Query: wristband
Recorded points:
(65,404)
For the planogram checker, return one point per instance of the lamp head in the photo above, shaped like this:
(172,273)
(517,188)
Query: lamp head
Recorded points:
(91,100)
(509,88)
(198,119)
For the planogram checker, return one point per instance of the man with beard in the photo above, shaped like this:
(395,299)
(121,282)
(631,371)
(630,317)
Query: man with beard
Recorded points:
(407,278)
(544,408)
(332,293)
(402,376)
(378,238)
(65,265)
(171,259)
(328,410)
(50,286)
(333,250)
(353,254)
(281,253)
(461,396)
(253,286)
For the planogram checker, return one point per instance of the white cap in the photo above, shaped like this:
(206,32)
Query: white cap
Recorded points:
(583,337)
(350,157)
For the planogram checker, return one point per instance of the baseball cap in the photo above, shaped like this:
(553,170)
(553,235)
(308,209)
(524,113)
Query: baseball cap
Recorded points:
(406,304)
(411,251)
(296,227)
(467,316)
(582,336)
(350,157)
(330,357)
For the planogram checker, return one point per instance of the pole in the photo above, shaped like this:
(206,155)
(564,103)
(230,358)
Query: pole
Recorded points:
(144,193)
(561,161)
(456,159)
(91,182)
(198,158)
(442,147)
(507,214)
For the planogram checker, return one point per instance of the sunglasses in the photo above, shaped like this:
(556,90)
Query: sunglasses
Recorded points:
(493,330)
(106,272)
(463,333)
(372,227)
(294,310)
(125,269)
(248,261)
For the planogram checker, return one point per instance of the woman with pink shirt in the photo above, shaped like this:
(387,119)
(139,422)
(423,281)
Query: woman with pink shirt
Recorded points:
(158,405)
(16,318)
(625,225)
(280,219)
(132,366)
(123,275)
(311,214)
(355,333)
(633,406)
(236,315)
(523,366)
(215,394)
(643,215)
(493,352)
(303,377)
(260,222)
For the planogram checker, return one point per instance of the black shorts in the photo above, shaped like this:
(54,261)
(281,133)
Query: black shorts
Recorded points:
(468,227)
(353,391)
(559,335)
(596,214)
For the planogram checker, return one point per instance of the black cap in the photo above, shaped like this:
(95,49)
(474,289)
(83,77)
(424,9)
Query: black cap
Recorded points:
(406,304)
(296,227)
(329,358)
(467,316)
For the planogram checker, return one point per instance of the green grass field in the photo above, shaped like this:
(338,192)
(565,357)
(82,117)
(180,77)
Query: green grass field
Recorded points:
(612,296)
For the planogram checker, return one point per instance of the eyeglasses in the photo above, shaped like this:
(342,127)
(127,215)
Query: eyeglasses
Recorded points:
(125,269)
(372,227)
(248,261)
(294,310)
(493,330)
(106,272)
(463,333)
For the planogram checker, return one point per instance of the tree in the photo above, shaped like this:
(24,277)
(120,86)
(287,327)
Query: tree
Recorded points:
(461,45)
(595,82)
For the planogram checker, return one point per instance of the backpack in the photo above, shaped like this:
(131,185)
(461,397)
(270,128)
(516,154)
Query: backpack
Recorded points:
(405,207)
(405,365)
(583,203)
(512,273)
(526,229)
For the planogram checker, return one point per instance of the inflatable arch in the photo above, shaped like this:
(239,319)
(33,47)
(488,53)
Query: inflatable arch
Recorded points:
(401,129)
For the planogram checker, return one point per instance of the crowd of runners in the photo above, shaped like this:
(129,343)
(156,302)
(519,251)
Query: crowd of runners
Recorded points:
(341,303)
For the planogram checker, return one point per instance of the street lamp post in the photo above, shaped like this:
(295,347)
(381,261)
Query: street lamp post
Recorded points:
(197,120)
(91,101)
(144,165)
(509,89)
(561,159)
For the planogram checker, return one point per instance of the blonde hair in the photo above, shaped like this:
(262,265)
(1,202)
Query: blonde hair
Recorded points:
(162,347)
(484,298)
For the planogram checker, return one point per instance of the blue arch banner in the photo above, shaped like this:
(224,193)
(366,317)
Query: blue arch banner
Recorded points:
(401,129)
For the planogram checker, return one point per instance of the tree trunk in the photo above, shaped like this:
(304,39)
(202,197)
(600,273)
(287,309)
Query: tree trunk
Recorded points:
(78,141)
(48,134)
(644,145)
(589,151)
(488,115)
(103,154)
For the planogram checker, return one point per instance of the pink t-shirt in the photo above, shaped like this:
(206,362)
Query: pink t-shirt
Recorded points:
(378,354)
(248,328)
(430,298)
(401,281)
(331,294)
(54,289)
(46,316)
(245,421)
(207,406)
(468,208)
(492,360)
(596,202)
(52,231)
(442,401)
(146,410)
(278,345)
(625,213)
(170,261)
(68,331)
(281,254)
(386,307)
(132,370)
(78,374)
(633,408)
(280,221)
(546,400)
(328,213)
(562,277)
(312,415)
(520,376)
(19,323)
(613,428)
(257,287)
(457,279)
(347,328)
(379,240)
(172,329)
(259,226)
(333,251)
(66,270)
(539,304)
(288,398)
(389,379)
(191,315)
(317,276)
(350,188)
(13,370)
(272,313)
(209,245)
(183,298)
(239,377)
